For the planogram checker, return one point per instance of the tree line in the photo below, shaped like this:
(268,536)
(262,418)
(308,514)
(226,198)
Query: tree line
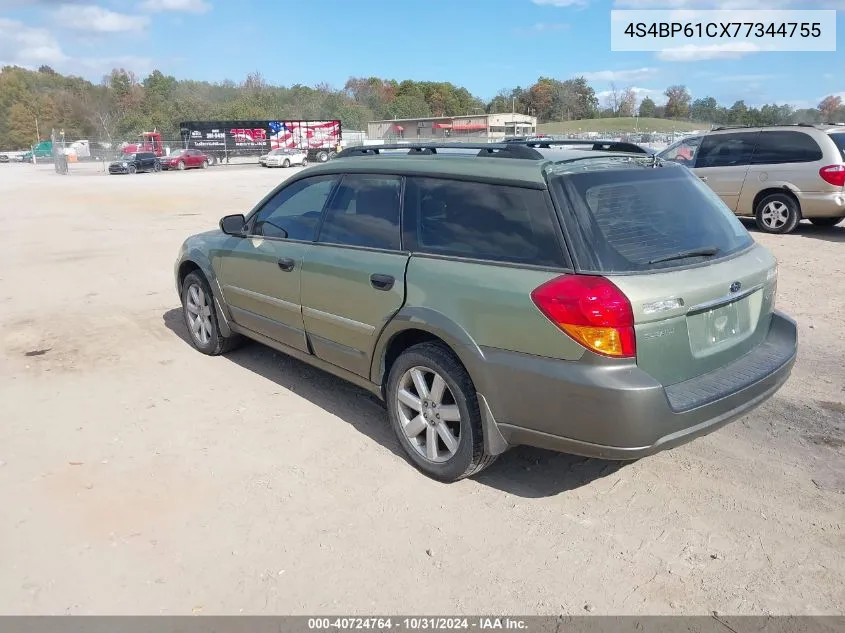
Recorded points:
(122,105)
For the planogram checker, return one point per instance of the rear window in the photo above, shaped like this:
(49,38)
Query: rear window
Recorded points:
(636,218)
(839,139)
(785,147)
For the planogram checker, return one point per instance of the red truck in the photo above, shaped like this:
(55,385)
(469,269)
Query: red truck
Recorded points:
(222,140)
(147,142)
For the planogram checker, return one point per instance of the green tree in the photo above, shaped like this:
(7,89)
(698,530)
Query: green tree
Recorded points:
(647,107)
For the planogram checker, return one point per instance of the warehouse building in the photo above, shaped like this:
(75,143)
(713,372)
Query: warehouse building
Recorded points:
(478,127)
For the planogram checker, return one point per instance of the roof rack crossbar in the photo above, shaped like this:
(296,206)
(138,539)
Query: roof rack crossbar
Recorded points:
(489,150)
(595,144)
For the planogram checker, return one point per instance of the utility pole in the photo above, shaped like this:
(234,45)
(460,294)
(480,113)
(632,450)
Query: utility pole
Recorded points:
(37,141)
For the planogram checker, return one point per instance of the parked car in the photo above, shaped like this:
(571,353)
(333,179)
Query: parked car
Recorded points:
(444,285)
(778,175)
(284,158)
(185,159)
(134,163)
(4,158)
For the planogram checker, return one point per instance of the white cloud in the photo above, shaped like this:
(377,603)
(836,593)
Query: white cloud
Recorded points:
(696,53)
(655,95)
(90,17)
(28,46)
(633,74)
(184,6)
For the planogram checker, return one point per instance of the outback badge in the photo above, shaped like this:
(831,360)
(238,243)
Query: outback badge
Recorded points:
(735,286)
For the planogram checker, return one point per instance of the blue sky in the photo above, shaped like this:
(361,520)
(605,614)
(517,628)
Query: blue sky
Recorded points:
(484,45)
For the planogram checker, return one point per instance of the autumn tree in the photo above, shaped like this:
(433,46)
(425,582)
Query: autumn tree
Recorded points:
(828,107)
(677,102)
(627,102)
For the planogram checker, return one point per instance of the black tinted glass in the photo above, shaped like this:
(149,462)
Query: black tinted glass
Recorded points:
(839,139)
(624,219)
(480,221)
(295,210)
(364,211)
(786,147)
(726,150)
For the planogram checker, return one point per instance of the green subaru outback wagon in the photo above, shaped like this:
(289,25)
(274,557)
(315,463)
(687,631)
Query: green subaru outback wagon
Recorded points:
(600,303)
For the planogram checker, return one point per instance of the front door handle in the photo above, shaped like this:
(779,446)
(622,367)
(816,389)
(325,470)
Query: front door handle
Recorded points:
(703,178)
(287,264)
(382,282)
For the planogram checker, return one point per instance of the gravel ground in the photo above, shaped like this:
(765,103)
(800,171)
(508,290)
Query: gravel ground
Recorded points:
(139,476)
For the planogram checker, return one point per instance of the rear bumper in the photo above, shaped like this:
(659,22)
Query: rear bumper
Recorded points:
(822,204)
(599,408)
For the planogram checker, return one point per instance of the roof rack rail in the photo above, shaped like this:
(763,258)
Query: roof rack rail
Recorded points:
(746,126)
(595,145)
(489,150)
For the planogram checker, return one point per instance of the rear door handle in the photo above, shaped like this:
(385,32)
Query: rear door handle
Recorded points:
(382,282)
(287,264)
(703,178)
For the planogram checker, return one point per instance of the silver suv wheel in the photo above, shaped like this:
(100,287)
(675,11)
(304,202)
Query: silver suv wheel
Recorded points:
(428,414)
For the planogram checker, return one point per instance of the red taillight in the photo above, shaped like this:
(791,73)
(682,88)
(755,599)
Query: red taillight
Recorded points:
(833,174)
(591,310)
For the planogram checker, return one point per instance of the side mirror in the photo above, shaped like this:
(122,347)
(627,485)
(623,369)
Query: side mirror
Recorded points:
(233,225)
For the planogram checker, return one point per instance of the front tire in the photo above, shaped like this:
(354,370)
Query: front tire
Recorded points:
(777,213)
(180,165)
(826,222)
(433,409)
(323,157)
(286,164)
(132,170)
(201,317)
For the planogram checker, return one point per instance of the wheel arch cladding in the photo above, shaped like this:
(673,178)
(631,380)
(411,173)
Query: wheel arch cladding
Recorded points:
(416,325)
(192,264)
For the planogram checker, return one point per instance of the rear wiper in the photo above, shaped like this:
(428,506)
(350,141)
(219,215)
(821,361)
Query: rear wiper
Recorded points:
(707,251)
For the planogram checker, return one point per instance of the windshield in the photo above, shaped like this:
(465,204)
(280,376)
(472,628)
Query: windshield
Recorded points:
(839,139)
(278,152)
(626,216)
(129,157)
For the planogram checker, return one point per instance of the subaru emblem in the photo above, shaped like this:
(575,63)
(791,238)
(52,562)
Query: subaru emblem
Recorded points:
(735,286)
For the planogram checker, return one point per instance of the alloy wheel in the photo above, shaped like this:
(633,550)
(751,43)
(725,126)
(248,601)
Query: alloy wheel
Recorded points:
(775,214)
(198,311)
(429,414)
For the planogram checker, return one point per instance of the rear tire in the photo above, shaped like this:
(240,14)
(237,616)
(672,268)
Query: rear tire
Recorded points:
(826,221)
(204,164)
(323,157)
(201,317)
(425,382)
(777,213)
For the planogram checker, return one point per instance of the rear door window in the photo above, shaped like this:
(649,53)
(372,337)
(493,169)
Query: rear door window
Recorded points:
(480,221)
(632,219)
(780,147)
(726,150)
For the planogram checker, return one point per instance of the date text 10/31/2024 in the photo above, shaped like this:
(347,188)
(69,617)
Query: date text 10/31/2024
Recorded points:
(416,623)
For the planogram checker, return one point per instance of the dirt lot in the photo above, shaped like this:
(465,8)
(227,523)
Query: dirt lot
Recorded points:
(137,475)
